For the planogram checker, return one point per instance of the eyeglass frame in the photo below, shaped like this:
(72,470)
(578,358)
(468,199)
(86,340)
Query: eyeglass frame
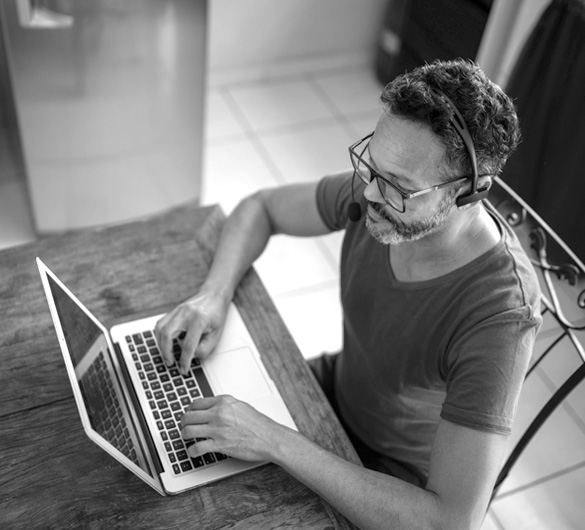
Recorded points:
(405,195)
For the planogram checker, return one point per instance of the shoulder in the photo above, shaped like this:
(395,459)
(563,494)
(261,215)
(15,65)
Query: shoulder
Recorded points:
(334,194)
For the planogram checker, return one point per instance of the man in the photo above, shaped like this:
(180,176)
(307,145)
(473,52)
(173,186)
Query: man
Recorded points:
(440,310)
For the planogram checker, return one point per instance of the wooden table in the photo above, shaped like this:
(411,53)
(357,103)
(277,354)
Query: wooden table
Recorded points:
(51,474)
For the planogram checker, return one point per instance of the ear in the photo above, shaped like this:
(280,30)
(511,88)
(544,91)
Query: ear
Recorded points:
(484,183)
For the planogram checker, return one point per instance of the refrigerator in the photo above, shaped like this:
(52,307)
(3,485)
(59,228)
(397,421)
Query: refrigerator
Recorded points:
(106,99)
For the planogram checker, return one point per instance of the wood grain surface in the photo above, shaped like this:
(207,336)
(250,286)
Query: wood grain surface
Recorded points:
(51,474)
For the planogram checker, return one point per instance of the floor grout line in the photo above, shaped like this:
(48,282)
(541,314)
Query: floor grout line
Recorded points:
(308,289)
(338,114)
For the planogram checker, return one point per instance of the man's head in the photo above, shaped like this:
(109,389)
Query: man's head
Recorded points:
(488,112)
(421,162)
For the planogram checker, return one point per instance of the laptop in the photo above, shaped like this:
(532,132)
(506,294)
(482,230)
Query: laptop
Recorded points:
(131,403)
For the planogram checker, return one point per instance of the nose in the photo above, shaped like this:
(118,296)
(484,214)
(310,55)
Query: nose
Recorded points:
(372,192)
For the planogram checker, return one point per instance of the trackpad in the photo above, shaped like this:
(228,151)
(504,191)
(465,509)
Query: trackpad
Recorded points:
(237,373)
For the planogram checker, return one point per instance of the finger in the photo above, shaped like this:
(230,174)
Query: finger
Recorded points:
(199,417)
(165,330)
(192,432)
(202,404)
(207,344)
(190,344)
(202,447)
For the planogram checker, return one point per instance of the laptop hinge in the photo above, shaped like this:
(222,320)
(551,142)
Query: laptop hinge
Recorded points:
(138,409)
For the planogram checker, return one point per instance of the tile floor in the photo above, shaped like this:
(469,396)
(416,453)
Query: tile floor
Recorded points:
(297,128)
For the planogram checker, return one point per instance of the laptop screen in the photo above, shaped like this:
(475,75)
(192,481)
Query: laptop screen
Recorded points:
(103,398)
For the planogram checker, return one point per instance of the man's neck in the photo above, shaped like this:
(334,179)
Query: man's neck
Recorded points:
(466,236)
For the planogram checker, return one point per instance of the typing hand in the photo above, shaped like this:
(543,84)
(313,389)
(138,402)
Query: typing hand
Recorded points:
(198,322)
(230,427)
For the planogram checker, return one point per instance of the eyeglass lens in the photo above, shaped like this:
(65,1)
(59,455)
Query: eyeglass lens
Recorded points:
(390,194)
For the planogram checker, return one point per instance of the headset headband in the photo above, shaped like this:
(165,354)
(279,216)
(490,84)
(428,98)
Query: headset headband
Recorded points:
(460,126)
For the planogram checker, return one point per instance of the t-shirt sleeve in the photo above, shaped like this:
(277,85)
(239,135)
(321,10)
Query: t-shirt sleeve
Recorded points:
(333,199)
(487,371)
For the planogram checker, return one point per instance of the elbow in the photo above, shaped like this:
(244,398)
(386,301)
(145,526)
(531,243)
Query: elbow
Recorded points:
(255,207)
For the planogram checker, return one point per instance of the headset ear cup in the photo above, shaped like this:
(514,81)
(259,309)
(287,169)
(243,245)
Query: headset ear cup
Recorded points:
(483,188)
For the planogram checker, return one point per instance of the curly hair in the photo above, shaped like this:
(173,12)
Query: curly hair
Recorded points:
(488,112)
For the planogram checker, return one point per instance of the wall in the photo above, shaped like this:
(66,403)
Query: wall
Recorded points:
(251,39)
(508,27)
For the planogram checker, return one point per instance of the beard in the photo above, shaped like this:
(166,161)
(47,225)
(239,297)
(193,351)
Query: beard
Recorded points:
(392,231)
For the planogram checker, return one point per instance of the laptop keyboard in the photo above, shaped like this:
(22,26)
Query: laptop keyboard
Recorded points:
(105,411)
(169,393)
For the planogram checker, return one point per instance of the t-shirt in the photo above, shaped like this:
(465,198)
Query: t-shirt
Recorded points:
(455,347)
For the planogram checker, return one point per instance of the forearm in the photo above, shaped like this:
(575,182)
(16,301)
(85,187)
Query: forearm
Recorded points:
(243,238)
(369,499)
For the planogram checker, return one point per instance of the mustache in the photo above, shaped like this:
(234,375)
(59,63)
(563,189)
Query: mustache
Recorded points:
(379,209)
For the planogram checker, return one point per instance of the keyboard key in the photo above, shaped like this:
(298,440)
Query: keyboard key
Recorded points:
(198,462)
(182,455)
(186,466)
(178,445)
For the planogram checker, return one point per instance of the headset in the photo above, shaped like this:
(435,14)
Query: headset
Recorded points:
(476,193)
(480,186)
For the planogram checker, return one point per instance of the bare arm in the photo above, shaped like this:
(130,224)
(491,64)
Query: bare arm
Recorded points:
(464,465)
(287,210)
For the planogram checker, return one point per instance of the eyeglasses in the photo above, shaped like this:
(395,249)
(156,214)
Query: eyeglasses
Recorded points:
(392,193)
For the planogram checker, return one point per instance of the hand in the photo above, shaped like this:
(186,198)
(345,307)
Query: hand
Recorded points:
(198,322)
(231,427)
